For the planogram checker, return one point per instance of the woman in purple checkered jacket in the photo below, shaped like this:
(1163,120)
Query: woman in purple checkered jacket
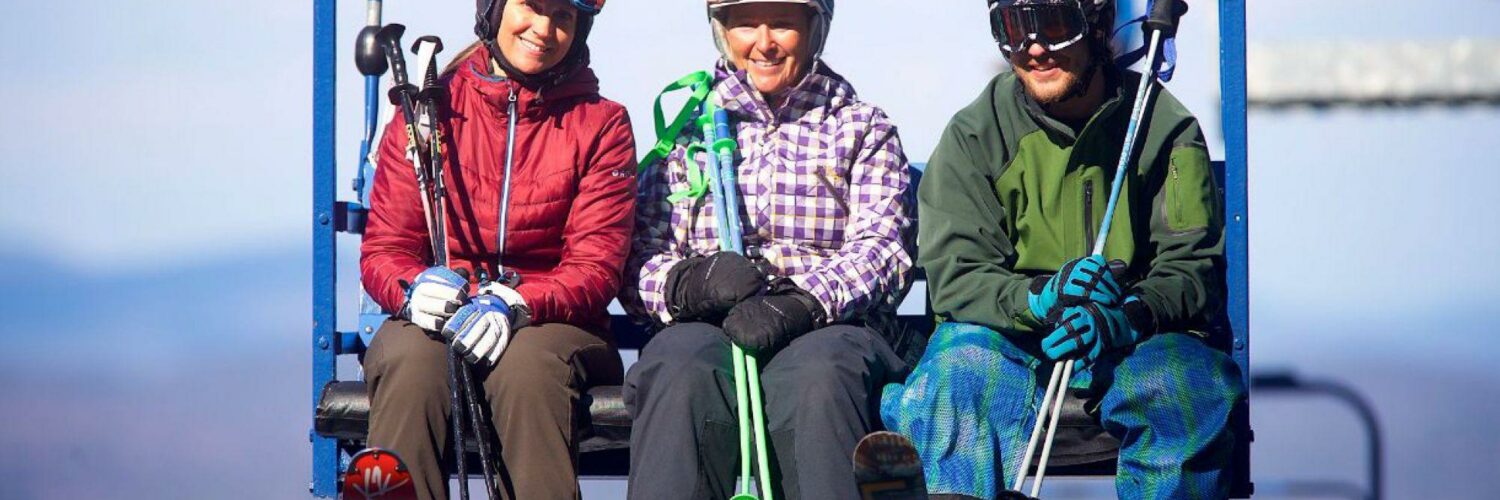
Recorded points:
(827,237)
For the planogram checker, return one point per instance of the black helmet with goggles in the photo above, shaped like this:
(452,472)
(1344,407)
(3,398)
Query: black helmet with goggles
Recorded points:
(1055,24)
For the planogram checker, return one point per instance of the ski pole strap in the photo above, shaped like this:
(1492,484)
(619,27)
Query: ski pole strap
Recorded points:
(666,133)
(720,145)
(1168,54)
(697,186)
(1163,16)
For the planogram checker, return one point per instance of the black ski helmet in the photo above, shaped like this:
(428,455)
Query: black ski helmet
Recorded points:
(487,22)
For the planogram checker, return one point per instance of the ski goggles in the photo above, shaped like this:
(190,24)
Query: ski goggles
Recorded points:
(589,7)
(1054,25)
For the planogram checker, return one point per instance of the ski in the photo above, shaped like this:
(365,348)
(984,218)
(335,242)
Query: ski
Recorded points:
(377,473)
(886,467)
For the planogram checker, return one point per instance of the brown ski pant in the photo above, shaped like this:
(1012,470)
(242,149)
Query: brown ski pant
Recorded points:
(532,398)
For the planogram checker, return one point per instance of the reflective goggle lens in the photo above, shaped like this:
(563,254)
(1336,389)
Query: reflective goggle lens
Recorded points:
(1054,26)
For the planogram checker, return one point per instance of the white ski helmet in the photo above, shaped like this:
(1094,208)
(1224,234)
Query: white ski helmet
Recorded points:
(822,18)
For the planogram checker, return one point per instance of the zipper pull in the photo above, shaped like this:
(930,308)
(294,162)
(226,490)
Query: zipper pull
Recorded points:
(510,99)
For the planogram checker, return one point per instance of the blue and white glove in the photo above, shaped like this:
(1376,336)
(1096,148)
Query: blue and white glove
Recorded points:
(433,298)
(1088,330)
(1089,279)
(481,330)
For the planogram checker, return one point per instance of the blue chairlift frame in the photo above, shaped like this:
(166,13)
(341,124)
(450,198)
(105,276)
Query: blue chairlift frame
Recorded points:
(329,217)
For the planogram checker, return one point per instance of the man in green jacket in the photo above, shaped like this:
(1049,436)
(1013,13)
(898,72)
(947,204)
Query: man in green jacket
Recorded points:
(1009,207)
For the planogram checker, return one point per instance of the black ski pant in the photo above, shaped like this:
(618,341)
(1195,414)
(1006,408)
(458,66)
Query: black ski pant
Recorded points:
(821,395)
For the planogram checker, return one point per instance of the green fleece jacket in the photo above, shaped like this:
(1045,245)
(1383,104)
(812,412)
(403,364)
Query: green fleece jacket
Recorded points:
(1011,193)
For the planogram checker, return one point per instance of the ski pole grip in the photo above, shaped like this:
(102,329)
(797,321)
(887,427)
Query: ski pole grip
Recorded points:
(1164,17)
(437,43)
(368,56)
(390,40)
(428,60)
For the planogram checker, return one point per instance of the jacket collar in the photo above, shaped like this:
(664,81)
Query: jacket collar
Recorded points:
(1116,83)
(532,101)
(820,89)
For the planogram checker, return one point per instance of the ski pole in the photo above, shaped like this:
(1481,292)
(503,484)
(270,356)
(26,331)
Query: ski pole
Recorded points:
(1036,430)
(403,94)
(723,146)
(432,96)
(1066,366)
(728,243)
(1162,19)
(714,122)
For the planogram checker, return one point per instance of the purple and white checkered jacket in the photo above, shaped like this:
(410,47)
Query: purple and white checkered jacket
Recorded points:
(822,180)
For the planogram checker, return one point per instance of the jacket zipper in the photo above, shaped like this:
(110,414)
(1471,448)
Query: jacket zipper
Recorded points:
(501,274)
(1174,199)
(1088,216)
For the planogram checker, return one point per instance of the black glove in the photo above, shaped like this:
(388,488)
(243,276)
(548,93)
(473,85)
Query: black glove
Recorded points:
(767,323)
(705,288)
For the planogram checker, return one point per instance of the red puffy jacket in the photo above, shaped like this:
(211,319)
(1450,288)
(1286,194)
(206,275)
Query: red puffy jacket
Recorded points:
(571,202)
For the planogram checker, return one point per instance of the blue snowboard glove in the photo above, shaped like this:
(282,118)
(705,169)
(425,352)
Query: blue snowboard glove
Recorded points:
(1089,279)
(433,297)
(480,330)
(1088,330)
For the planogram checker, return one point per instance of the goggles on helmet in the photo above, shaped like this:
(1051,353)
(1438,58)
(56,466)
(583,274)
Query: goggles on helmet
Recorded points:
(1053,24)
(589,7)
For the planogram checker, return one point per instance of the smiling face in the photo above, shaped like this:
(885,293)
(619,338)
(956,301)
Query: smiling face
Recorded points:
(535,35)
(1053,76)
(770,42)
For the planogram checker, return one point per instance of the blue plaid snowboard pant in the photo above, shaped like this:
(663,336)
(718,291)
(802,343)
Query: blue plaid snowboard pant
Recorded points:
(971,401)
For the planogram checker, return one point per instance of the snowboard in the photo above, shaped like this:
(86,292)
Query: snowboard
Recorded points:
(886,467)
(377,474)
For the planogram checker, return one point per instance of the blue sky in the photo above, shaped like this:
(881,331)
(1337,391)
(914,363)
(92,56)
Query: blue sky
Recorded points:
(154,223)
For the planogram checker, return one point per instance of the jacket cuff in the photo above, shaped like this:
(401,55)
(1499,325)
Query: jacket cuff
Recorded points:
(1015,301)
(1039,283)
(669,289)
(1140,316)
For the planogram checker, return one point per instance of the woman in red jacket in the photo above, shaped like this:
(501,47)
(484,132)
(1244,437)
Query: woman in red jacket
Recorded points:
(537,335)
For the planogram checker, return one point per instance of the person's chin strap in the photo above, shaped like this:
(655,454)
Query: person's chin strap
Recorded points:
(578,54)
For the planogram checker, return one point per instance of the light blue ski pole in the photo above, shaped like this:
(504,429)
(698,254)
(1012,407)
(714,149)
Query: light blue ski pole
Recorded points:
(714,122)
(1142,94)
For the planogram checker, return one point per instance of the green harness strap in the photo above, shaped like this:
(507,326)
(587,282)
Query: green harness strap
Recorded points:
(700,84)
